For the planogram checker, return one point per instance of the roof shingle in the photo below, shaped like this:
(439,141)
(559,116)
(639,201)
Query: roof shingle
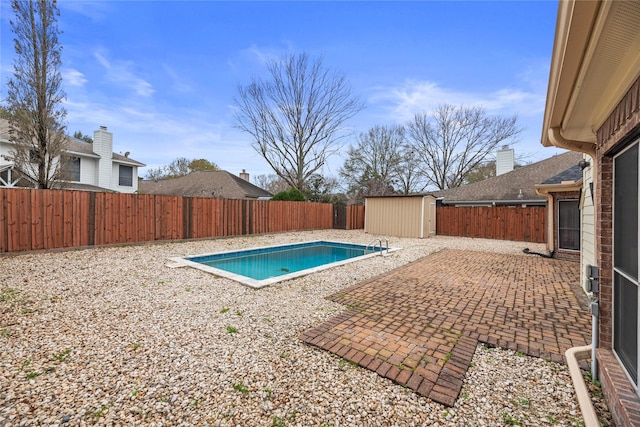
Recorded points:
(507,187)
(204,184)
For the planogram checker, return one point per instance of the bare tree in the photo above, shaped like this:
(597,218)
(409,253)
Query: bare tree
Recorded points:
(410,178)
(456,140)
(35,95)
(377,158)
(271,182)
(296,117)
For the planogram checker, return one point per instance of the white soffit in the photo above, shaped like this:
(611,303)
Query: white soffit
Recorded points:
(610,66)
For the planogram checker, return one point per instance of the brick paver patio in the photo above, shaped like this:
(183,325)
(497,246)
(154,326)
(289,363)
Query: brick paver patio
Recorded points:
(419,325)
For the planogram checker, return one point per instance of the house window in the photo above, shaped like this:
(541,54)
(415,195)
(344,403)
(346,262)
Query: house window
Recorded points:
(73,169)
(569,224)
(125,176)
(34,156)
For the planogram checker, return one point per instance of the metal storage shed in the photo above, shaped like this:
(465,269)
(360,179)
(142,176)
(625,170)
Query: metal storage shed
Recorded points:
(401,216)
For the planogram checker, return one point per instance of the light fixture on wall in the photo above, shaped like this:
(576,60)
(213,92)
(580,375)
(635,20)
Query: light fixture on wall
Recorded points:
(583,164)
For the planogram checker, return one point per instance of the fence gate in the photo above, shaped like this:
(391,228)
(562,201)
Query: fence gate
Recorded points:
(340,217)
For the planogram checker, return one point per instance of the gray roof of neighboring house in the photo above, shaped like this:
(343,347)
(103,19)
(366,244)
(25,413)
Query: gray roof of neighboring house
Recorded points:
(204,184)
(507,187)
(574,173)
(78,146)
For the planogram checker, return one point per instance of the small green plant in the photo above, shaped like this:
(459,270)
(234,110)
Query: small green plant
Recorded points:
(62,356)
(520,354)
(224,310)
(232,329)
(552,419)
(4,332)
(25,364)
(522,402)
(33,374)
(401,366)
(293,416)
(269,392)
(509,420)
(464,395)
(196,402)
(135,346)
(268,320)
(187,289)
(238,313)
(447,357)
(594,381)
(241,388)
(277,422)
(284,355)
(135,391)
(26,311)
(8,294)
(100,412)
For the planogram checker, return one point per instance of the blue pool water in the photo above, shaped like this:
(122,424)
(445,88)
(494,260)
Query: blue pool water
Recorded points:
(264,266)
(265,263)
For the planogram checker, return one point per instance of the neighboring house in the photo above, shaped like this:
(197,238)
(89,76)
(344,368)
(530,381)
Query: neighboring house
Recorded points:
(220,184)
(593,107)
(94,166)
(511,188)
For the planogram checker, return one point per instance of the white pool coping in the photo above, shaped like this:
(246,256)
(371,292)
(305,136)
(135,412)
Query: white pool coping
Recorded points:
(257,284)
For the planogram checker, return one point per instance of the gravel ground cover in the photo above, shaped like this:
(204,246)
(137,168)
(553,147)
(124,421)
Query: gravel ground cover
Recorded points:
(111,336)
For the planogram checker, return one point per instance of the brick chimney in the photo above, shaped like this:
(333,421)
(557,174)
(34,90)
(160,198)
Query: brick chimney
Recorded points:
(244,175)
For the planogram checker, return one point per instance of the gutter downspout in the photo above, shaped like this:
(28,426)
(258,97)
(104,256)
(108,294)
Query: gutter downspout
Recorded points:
(550,223)
(556,139)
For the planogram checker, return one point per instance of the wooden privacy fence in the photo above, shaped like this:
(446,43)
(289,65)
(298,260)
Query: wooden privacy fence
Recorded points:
(498,222)
(49,219)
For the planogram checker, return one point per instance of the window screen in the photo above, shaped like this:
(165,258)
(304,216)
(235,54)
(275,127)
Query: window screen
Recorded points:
(125,177)
(569,224)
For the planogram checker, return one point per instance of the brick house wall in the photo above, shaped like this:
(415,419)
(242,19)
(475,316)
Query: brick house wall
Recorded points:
(620,128)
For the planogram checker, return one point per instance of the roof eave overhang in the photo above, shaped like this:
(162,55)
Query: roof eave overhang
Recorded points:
(593,64)
(544,189)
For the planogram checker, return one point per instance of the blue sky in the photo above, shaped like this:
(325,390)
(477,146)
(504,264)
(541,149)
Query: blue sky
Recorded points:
(161,75)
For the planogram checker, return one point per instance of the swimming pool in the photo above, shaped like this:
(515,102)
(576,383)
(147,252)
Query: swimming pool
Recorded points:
(263,266)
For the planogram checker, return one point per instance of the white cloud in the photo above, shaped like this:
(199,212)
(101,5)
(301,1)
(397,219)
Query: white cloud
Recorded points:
(73,77)
(121,73)
(413,97)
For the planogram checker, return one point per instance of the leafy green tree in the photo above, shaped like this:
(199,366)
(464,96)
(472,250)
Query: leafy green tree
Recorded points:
(198,165)
(291,195)
(82,137)
(35,95)
(296,117)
